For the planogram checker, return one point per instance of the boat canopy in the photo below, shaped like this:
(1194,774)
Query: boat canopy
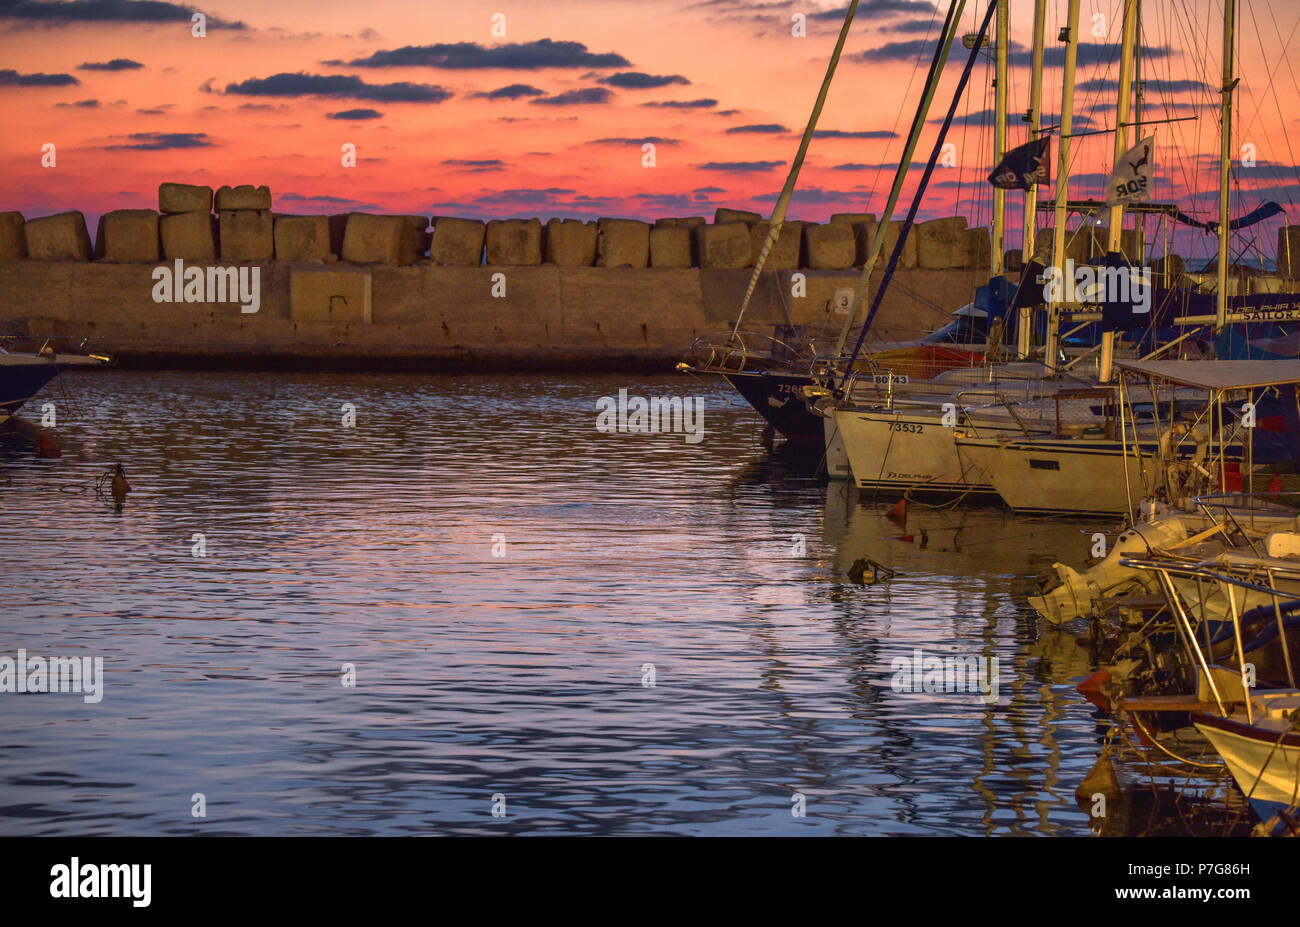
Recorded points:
(1219,374)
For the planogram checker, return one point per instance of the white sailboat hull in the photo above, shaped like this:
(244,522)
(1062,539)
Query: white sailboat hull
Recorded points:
(1265,770)
(904,449)
(1070,478)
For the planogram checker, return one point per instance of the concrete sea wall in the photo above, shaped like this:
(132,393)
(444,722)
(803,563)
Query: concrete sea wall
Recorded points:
(448,291)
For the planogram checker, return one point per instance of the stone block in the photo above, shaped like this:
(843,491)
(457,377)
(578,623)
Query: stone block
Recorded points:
(514,242)
(622,243)
(246,235)
(570,243)
(724,214)
(190,236)
(13,241)
(61,237)
(786,251)
(670,247)
(302,238)
(370,239)
(830,246)
(184,197)
(724,245)
(245,196)
(128,236)
(330,296)
(457,242)
(942,244)
(416,239)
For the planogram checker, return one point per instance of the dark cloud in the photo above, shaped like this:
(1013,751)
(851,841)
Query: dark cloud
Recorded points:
(655,139)
(516,56)
(512,92)
(683,104)
(913,27)
(575,97)
(864,133)
(152,112)
(105,11)
(1153,85)
(482,166)
(1090,53)
(875,7)
(636,80)
(11,78)
(338,85)
(117,64)
(984,117)
(356,114)
(741,166)
(163,141)
(82,104)
(766,128)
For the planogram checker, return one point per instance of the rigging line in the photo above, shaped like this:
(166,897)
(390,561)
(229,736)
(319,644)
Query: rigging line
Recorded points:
(898,118)
(783,200)
(925,179)
(1286,136)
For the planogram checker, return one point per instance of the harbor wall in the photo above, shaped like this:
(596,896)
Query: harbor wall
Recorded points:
(427,315)
(358,288)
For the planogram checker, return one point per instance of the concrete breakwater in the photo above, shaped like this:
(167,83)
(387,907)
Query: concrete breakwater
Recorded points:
(359,288)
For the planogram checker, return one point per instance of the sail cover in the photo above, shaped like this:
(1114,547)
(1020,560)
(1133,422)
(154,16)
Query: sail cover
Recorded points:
(1022,167)
(1264,211)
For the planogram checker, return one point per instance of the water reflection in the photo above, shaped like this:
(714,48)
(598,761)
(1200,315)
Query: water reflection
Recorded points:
(720,564)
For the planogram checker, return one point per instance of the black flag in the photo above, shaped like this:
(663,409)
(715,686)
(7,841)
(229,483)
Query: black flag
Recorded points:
(1021,168)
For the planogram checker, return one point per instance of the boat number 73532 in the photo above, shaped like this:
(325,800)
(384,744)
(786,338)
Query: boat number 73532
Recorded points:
(910,427)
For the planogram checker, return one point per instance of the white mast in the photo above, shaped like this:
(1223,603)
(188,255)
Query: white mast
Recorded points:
(1115,234)
(1001,39)
(909,149)
(1225,161)
(1071,35)
(1023,324)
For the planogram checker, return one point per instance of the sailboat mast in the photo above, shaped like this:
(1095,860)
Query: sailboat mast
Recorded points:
(1023,326)
(1115,234)
(1001,41)
(1071,36)
(783,201)
(1225,161)
(950,24)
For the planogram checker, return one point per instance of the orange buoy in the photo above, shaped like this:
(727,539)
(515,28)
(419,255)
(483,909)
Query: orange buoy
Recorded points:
(120,486)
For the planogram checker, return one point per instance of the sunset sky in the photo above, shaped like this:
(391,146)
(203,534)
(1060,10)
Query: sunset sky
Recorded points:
(549,119)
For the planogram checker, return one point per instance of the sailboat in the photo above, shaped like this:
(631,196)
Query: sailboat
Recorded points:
(23,375)
(776,381)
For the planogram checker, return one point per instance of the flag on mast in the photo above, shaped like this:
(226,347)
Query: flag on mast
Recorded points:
(1130,182)
(1022,167)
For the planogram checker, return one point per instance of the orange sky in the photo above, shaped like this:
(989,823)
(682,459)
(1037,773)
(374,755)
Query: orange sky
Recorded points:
(179,115)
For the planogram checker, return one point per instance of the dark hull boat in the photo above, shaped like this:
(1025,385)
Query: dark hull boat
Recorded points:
(779,398)
(22,376)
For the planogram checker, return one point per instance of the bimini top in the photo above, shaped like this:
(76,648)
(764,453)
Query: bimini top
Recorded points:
(1218,374)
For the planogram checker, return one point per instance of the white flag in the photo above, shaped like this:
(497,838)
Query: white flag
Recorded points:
(1131,180)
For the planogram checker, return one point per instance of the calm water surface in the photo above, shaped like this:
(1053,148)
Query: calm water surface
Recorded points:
(520,675)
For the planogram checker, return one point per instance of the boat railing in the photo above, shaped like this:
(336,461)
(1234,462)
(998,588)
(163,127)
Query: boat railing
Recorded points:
(999,400)
(1228,576)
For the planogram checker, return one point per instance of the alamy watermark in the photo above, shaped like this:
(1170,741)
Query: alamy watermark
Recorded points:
(84,675)
(656,415)
(1087,284)
(183,284)
(969,674)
